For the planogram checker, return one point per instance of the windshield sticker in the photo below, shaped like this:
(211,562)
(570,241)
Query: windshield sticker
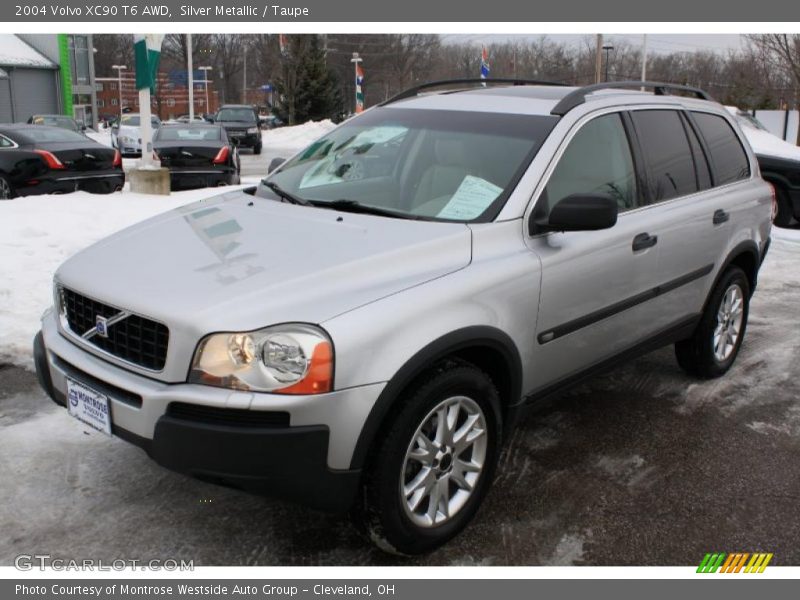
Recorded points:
(472,197)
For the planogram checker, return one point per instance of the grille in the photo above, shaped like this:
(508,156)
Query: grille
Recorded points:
(134,339)
(234,417)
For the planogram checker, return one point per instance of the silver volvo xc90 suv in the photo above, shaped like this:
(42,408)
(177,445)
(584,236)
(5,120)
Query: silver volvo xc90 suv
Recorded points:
(365,327)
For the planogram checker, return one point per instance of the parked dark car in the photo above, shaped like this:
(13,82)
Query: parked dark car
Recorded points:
(37,159)
(61,121)
(241,123)
(197,155)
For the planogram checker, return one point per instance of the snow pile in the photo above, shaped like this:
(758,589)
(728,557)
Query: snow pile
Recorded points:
(297,137)
(103,136)
(38,233)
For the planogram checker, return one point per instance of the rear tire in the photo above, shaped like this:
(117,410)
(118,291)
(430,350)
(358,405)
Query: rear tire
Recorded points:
(6,191)
(783,217)
(716,341)
(435,463)
(257,149)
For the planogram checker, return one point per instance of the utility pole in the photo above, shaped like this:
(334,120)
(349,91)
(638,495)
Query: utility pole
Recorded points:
(244,83)
(190,74)
(644,58)
(598,58)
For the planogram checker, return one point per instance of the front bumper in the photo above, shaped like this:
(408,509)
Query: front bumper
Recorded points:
(248,140)
(307,460)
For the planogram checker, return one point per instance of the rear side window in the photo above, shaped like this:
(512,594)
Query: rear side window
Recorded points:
(667,154)
(727,155)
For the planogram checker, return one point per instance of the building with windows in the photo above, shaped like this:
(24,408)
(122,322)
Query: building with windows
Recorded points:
(47,74)
(118,94)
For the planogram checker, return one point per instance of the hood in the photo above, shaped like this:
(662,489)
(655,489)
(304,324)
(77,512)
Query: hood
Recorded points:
(766,144)
(237,262)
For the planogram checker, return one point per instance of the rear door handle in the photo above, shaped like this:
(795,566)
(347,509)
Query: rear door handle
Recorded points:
(643,241)
(720,216)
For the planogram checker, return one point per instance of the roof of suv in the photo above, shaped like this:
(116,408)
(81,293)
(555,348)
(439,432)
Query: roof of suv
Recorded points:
(534,99)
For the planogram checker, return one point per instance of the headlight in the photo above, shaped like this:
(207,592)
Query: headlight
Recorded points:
(285,359)
(252,130)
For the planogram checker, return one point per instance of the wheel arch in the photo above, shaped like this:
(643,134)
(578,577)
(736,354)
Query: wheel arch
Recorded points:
(747,257)
(490,349)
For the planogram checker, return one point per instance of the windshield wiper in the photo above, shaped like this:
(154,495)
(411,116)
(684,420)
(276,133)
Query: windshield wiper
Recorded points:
(354,206)
(283,194)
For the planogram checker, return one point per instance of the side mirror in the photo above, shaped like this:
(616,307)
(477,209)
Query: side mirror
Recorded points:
(579,212)
(275,163)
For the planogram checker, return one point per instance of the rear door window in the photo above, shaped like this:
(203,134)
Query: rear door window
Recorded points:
(700,160)
(727,154)
(667,154)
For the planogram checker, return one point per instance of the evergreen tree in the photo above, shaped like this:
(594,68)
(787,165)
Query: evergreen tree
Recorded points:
(308,89)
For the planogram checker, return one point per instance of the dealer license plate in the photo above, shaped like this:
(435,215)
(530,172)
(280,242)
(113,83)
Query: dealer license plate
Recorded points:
(89,406)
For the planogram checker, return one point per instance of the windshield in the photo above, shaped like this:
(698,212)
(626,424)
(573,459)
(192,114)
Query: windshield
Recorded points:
(449,165)
(62,122)
(188,134)
(53,134)
(236,114)
(135,121)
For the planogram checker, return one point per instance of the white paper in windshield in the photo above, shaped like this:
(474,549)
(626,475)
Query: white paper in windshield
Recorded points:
(472,197)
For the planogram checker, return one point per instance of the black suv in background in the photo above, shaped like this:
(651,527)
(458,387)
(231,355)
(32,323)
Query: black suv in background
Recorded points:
(241,124)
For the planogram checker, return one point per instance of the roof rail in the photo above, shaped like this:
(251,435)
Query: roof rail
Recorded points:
(413,91)
(573,99)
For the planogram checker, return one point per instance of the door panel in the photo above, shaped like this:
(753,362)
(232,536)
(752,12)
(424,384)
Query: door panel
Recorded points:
(595,286)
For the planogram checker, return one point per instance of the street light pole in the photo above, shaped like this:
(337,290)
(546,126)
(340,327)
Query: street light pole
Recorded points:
(205,71)
(190,74)
(119,69)
(608,48)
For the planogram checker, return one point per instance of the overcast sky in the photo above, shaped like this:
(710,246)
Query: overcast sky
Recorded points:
(656,42)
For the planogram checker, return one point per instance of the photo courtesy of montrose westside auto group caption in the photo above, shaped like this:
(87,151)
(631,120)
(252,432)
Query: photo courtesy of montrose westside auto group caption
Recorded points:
(361,289)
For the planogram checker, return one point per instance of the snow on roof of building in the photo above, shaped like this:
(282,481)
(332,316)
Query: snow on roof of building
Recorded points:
(3,74)
(14,52)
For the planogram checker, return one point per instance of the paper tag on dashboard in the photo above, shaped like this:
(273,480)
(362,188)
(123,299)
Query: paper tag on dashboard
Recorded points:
(472,197)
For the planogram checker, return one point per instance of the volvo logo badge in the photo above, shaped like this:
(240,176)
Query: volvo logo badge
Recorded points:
(101,326)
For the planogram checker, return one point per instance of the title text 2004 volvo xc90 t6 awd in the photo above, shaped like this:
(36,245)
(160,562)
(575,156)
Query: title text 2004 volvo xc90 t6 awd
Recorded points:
(365,327)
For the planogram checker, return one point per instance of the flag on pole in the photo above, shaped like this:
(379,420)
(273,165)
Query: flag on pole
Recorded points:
(147,51)
(484,64)
(283,43)
(359,89)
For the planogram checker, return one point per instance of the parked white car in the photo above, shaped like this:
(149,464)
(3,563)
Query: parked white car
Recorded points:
(126,133)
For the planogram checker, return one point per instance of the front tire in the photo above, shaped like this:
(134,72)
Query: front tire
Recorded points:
(713,347)
(435,463)
(6,191)
(257,149)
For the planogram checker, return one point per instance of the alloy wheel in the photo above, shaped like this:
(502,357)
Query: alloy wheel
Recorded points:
(729,323)
(444,461)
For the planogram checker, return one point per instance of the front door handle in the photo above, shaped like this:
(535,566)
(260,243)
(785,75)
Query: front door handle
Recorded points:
(644,241)
(720,216)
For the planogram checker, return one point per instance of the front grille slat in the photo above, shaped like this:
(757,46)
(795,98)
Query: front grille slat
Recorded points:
(134,339)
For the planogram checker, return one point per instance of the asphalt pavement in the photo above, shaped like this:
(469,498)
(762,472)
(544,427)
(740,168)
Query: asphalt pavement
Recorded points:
(640,466)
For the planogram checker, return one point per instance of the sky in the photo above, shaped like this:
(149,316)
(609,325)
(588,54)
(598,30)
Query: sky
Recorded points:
(659,43)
